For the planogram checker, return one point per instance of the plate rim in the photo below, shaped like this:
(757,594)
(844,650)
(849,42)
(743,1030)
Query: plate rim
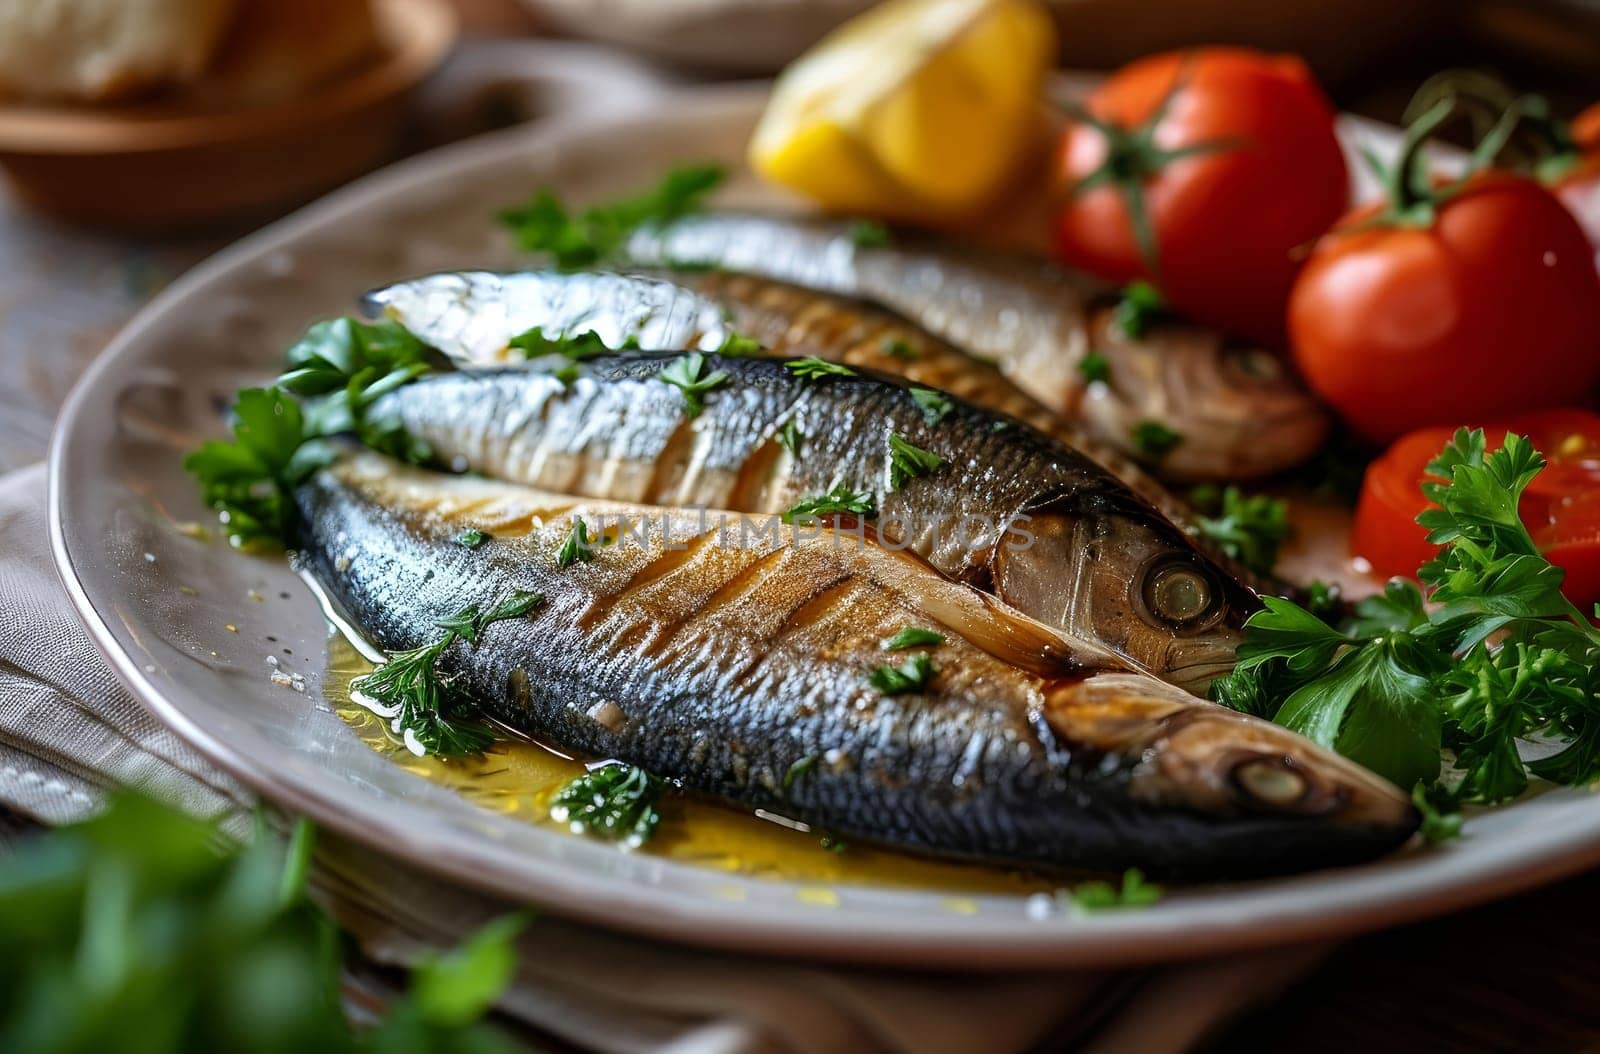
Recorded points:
(1321,905)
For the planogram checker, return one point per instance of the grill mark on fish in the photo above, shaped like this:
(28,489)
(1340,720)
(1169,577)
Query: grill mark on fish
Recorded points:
(996,483)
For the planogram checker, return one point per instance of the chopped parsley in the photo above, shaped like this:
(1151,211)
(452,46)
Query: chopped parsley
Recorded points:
(869,234)
(907,462)
(431,713)
(1141,305)
(799,769)
(735,345)
(612,801)
(688,374)
(910,676)
(579,546)
(1132,892)
(534,343)
(1498,655)
(789,437)
(576,240)
(1248,528)
(1095,367)
(1153,440)
(812,368)
(470,538)
(935,406)
(913,637)
(895,348)
(839,500)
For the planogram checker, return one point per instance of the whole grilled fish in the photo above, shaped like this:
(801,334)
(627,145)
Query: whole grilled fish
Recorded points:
(983,499)
(1239,411)
(737,659)
(472,317)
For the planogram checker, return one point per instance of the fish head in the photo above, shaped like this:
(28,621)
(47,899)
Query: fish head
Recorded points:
(1109,569)
(1232,783)
(1239,408)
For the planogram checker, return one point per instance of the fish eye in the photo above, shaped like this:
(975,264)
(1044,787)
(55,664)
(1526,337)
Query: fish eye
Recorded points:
(1179,594)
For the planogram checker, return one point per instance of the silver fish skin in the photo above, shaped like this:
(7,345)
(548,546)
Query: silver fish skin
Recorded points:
(1042,526)
(1240,412)
(738,663)
(472,317)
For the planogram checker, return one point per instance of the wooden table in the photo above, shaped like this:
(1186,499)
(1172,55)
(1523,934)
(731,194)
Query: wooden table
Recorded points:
(1519,975)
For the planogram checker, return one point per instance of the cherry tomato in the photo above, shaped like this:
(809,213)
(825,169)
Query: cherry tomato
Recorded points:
(1489,307)
(1561,507)
(1231,156)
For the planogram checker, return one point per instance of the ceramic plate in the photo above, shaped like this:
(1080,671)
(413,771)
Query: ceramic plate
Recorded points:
(190,624)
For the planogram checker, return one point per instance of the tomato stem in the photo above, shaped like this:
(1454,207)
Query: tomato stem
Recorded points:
(1132,158)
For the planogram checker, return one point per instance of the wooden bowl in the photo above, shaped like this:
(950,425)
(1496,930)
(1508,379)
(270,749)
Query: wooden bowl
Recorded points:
(166,166)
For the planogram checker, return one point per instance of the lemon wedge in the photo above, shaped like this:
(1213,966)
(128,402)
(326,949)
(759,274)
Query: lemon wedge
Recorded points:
(917,109)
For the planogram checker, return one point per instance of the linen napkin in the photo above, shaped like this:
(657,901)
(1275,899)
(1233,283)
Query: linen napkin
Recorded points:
(69,731)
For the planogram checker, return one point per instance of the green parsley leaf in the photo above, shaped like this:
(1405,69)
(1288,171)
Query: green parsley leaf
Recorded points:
(1153,441)
(1249,529)
(735,345)
(913,637)
(789,437)
(1095,367)
(812,368)
(799,769)
(907,462)
(1140,307)
(935,406)
(598,233)
(251,479)
(1496,656)
(613,801)
(869,234)
(454,988)
(1132,892)
(839,500)
(431,714)
(579,547)
(586,344)
(910,676)
(470,538)
(688,374)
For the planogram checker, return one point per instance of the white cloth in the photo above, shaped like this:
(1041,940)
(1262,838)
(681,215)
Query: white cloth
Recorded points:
(68,731)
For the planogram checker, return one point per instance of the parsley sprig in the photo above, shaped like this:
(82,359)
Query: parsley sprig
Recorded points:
(579,239)
(908,462)
(613,801)
(1099,895)
(688,374)
(1496,655)
(335,374)
(839,500)
(430,712)
(1248,528)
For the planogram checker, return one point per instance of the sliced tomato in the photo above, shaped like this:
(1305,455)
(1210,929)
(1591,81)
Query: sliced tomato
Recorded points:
(1561,507)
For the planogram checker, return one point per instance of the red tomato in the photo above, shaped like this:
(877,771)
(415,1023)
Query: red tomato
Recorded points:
(1576,180)
(1561,507)
(1492,308)
(1229,220)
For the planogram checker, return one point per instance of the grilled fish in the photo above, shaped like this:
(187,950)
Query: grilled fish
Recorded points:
(736,659)
(1004,507)
(472,317)
(1239,411)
